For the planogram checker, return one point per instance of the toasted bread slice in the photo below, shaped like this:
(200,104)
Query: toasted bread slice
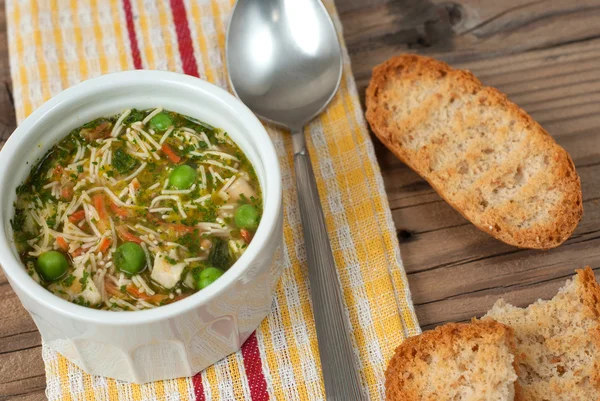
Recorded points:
(482,153)
(558,342)
(455,362)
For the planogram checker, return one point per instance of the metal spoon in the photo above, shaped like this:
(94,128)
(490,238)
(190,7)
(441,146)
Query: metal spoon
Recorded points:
(285,64)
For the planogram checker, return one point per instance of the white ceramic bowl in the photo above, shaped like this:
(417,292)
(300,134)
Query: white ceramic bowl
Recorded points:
(174,340)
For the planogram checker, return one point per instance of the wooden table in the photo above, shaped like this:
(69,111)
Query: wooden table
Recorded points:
(544,54)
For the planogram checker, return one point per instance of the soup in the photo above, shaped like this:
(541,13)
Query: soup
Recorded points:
(136,211)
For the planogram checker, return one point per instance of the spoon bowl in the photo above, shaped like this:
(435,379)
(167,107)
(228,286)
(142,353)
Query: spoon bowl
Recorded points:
(283,47)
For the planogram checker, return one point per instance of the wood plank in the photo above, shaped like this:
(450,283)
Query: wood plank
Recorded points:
(21,371)
(463,30)
(35,394)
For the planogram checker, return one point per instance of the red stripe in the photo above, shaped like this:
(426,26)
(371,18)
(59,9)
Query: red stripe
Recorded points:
(135,50)
(198,387)
(184,38)
(253,367)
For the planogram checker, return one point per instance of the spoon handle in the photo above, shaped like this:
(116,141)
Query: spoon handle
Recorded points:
(341,378)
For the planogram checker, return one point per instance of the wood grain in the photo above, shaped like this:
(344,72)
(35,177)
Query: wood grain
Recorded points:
(545,54)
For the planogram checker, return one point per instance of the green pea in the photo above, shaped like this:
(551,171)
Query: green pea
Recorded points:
(52,265)
(182,177)
(246,216)
(161,122)
(130,258)
(208,276)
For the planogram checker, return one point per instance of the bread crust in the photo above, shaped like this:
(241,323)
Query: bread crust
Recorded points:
(402,379)
(483,154)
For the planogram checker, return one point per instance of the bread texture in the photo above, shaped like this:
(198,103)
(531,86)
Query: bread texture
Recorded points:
(455,362)
(482,153)
(558,342)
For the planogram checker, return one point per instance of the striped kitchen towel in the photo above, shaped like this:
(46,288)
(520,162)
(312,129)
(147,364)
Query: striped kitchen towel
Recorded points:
(57,43)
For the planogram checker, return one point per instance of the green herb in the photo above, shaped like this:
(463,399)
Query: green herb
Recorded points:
(68,281)
(123,162)
(135,115)
(84,278)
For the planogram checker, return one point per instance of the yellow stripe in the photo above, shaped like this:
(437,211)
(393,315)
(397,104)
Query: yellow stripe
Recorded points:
(24,81)
(165,18)
(159,388)
(120,36)
(216,13)
(145,44)
(102,59)
(57,35)
(183,385)
(201,40)
(211,379)
(39,51)
(78,34)
(63,370)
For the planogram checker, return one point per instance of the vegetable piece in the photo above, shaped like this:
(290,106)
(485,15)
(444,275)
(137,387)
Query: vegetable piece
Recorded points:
(160,122)
(165,273)
(123,162)
(135,115)
(100,205)
(208,276)
(174,157)
(52,265)
(104,244)
(154,299)
(127,236)
(182,177)
(246,216)
(219,254)
(96,130)
(246,235)
(119,211)
(66,192)
(62,244)
(77,252)
(77,216)
(130,258)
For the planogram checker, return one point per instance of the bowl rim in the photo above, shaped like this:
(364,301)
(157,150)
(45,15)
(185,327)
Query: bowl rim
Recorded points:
(272,200)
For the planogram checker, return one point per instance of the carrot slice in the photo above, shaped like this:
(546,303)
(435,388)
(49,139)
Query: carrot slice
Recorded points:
(153,299)
(136,184)
(111,288)
(170,153)
(77,252)
(181,228)
(77,216)
(133,290)
(100,206)
(67,192)
(62,244)
(246,235)
(104,244)
(119,211)
(127,236)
